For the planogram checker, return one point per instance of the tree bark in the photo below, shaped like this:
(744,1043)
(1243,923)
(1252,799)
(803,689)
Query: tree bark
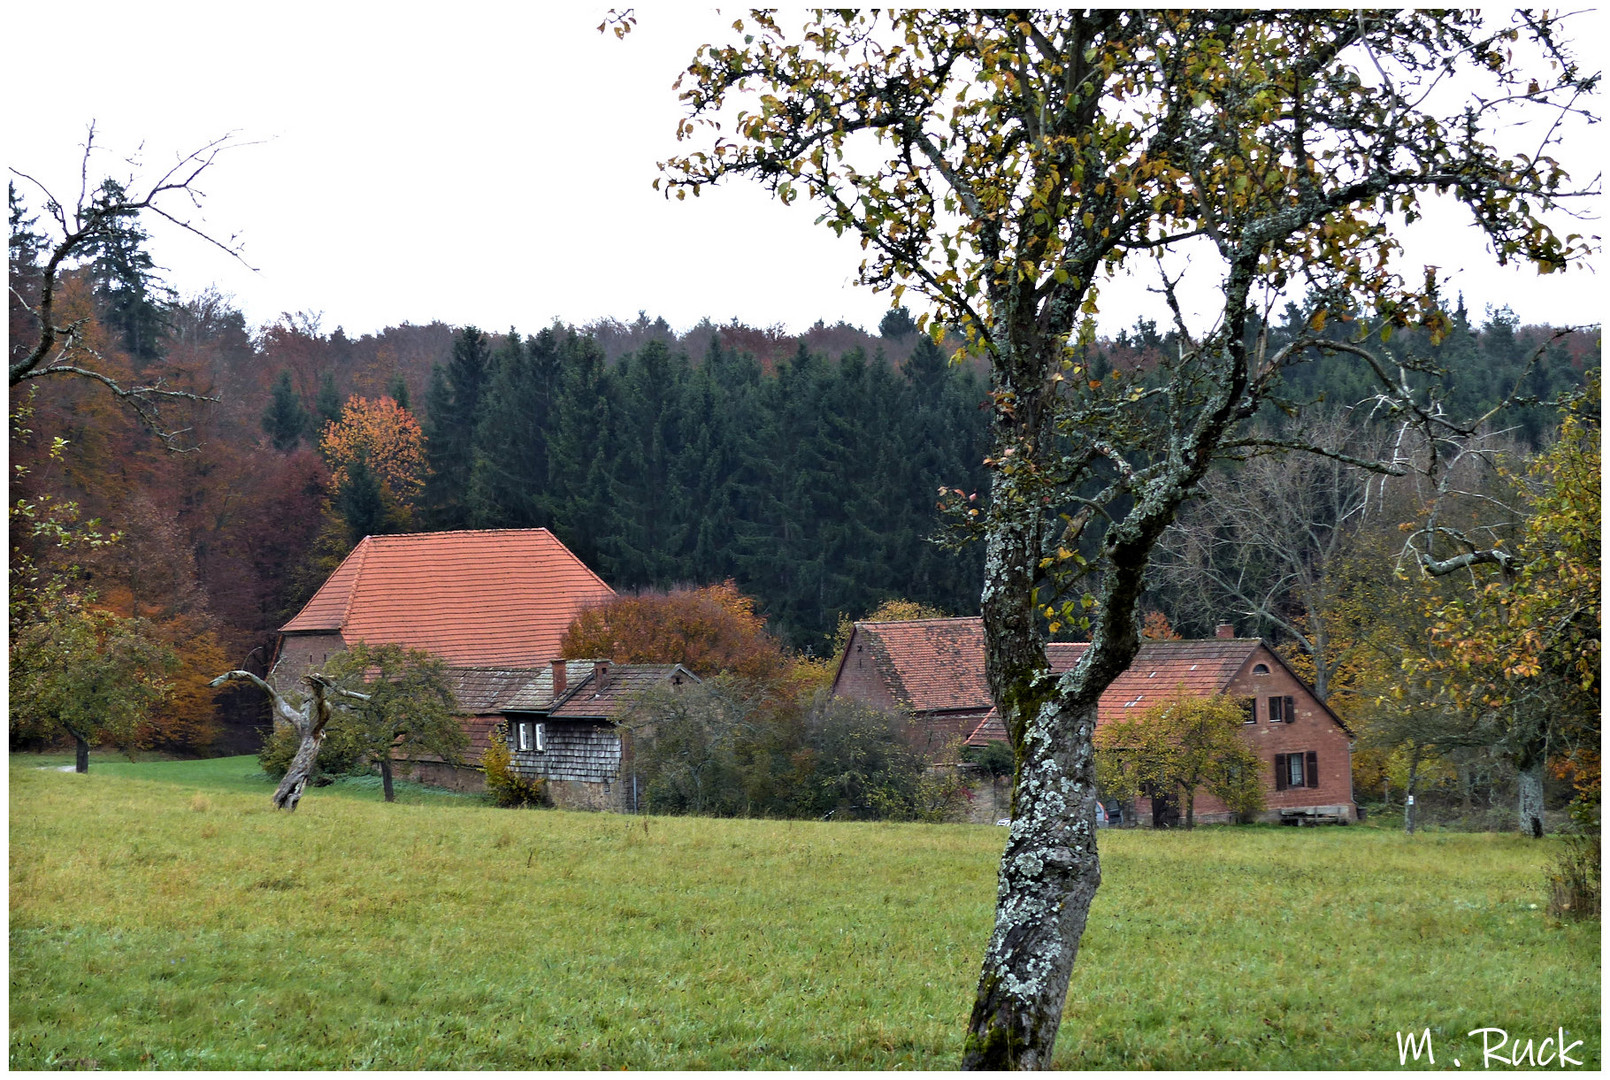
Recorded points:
(385,779)
(309,723)
(1530,782)
(82,746)
(1049,875)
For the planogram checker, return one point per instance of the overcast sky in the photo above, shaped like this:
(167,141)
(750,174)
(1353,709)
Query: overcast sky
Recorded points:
(482,163)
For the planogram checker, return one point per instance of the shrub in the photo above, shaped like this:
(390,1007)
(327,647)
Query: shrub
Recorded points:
(1575,883)
(503,784)
(339,754)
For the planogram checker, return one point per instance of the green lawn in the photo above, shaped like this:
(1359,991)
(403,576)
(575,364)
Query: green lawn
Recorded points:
(162,915)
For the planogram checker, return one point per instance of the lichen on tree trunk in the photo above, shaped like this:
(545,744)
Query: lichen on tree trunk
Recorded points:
(1530,783)
(1048,878)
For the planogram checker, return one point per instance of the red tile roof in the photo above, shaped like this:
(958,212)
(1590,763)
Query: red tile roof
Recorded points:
(498,598)
(938,664)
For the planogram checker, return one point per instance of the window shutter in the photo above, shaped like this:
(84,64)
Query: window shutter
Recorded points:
(1291,710)
(1280,772)
(1311,769)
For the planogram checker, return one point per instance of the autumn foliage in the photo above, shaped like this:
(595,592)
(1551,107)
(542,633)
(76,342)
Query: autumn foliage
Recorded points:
(386,436)
(710,631)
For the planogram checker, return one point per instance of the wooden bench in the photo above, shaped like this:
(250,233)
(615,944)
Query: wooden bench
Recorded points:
(1302,818)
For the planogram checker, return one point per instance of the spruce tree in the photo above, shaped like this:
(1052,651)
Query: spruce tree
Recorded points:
(579,447)
(509,475)
(397,389)
(133,300)
(454,406)
(285,420)
(327,405)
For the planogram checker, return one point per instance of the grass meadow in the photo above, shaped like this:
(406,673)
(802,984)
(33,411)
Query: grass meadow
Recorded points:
(164,916)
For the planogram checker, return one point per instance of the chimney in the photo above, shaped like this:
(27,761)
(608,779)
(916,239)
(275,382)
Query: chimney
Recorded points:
(600,671)
(558,679)
(1224,629)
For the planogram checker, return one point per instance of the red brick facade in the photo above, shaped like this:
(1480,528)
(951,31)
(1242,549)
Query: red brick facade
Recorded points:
(934,668)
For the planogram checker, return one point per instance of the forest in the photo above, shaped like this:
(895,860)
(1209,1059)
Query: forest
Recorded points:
(824,474)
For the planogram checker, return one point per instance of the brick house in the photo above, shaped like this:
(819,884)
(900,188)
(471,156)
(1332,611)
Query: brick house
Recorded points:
(494,605)
(934,669)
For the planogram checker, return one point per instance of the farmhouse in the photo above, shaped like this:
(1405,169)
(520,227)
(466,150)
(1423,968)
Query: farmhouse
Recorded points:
(561,723)
(934,669)
(494,604)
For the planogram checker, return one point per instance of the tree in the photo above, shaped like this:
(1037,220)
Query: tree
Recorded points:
(453,407)
(285,420)
(1523,651)
(387,436)
(1181,745)
(102,222)
(710,631)
(134,300)
(897,323)
(1264,541)
(82,671)
(308,717)
(407,707)
(1004,165)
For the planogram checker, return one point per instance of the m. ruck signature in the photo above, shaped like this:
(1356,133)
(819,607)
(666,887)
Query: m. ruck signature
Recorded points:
(1497,1049)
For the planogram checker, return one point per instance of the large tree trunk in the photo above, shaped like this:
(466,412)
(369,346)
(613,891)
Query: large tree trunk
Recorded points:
(1530,782)
(309,722)
(82,746)
(385,779)
(289,793)
(1048,877)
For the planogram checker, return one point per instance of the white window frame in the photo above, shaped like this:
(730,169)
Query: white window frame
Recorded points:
(528,736)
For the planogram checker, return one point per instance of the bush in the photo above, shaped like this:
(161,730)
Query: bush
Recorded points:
(339,754)
(1575,883)
(996,758)
(722,749)
(503,784)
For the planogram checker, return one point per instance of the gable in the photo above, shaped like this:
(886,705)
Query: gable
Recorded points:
(482,598)
(937,665)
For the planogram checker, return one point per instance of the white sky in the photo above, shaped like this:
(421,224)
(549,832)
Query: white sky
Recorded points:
(483,163)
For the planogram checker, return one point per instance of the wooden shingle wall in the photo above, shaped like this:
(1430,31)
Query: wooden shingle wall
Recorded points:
(590,753)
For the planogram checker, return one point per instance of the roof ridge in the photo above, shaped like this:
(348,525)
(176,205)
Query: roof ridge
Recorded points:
(362,552)
(393,537)
(913,622)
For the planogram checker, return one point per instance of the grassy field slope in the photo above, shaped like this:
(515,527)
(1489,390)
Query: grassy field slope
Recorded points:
(163,915)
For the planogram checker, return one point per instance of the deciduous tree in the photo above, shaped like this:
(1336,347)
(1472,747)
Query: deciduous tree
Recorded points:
(104,222)
(1183,745)
(84,672)
(408,707)
(1005,164)
(713,630)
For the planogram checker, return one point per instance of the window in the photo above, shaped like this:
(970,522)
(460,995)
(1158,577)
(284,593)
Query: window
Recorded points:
(1297,770)
(528,735)
(1249,706)
(1282,710)
(1260,669)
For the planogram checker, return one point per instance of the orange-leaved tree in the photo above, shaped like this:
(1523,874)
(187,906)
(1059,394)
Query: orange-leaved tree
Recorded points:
(712,630)
(376,454)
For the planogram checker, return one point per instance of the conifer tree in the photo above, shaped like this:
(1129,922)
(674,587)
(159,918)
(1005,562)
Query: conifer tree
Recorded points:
(454,408)
(133,300)
(285,420)
(328,404)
